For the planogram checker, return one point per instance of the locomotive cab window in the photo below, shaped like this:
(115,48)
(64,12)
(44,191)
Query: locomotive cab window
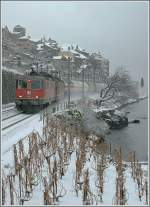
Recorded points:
(36,84)
(21,84)
(43,84)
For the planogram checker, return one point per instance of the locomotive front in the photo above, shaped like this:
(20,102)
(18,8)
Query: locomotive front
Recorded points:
(36,92)
(30,93)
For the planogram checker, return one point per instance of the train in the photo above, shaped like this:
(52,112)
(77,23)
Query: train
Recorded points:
(37,90)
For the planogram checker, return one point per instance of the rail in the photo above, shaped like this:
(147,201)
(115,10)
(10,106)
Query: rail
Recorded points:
(11,116)
(14,123)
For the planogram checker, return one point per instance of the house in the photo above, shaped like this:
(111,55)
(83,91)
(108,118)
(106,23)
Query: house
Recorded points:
(71,50)
(100,67)
(49,47)
(97,66)
(66,53)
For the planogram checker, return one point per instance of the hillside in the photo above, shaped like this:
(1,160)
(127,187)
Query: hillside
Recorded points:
(20,52)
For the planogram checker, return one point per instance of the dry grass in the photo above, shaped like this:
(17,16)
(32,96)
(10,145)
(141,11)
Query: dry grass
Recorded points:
(45,160)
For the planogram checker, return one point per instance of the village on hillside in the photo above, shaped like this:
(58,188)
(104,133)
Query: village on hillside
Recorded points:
(20,51)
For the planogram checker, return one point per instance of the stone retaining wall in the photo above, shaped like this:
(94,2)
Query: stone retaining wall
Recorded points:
(8,86)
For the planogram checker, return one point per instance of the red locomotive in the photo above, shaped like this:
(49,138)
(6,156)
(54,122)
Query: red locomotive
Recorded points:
(38,90)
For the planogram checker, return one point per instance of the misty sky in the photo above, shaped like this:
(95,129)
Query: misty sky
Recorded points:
(118,29)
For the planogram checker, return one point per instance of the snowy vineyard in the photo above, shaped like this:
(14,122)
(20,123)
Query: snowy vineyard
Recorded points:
(65,165)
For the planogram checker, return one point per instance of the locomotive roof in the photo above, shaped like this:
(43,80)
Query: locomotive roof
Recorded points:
(36,77)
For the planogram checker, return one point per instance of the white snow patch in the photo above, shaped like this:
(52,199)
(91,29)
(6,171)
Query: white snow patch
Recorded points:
(11,70)
(57,57)
(11,137)
(40,46)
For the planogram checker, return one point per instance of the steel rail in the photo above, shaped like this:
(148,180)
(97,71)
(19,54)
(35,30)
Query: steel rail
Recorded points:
(16,122)
(9,109)
(11,116)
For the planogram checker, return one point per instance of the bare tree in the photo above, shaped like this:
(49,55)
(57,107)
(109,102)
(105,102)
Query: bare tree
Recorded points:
(119,83)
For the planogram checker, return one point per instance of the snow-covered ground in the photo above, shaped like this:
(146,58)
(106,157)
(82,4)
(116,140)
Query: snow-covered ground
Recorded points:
(12,135)
(67,183)
(116,104)
(35,124)
(8,112)
(6,106)
(108,197)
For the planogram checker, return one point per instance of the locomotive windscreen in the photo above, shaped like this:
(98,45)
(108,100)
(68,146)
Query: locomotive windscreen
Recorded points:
(21,84)
(36,84)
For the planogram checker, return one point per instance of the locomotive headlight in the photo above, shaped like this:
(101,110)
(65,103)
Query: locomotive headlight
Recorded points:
(20,96)
(36,97)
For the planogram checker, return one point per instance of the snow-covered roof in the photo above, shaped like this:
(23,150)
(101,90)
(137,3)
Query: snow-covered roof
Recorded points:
(50,45)
(83,66)
(65,46)
(24,37)
(35,39)
(57,57)
(16,32)
(39,46)
(78,55)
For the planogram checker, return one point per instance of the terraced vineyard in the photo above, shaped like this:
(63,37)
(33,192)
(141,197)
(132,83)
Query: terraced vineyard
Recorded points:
(66,165)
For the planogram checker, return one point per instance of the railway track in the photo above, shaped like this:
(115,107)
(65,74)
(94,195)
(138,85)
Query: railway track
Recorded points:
(16,117)
(11,116)
(9,109)
(6,106)
(14,122)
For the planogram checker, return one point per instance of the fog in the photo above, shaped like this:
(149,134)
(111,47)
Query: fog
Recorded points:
(119,30)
